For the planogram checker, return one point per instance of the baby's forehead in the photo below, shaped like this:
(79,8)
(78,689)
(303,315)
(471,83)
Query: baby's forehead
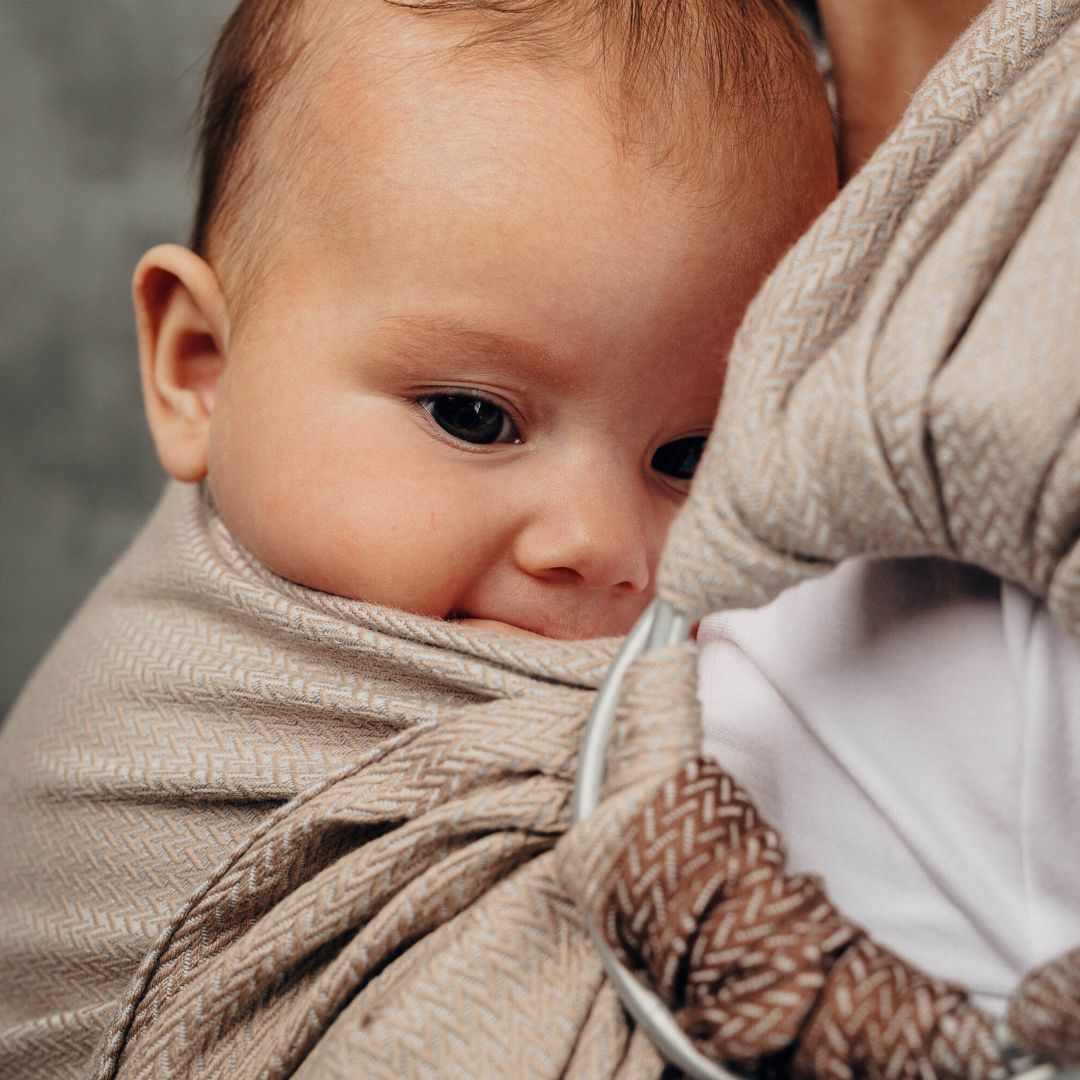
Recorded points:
(338,100)
(689,78)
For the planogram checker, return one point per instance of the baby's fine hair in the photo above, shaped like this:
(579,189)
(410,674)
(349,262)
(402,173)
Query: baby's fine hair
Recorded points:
(676,60)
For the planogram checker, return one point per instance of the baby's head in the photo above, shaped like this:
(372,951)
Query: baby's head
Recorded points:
(464,279)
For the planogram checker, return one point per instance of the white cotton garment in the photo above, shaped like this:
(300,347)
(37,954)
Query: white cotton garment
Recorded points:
(912,727)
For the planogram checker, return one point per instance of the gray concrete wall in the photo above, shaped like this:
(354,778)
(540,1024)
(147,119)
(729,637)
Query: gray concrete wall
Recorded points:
(96,102)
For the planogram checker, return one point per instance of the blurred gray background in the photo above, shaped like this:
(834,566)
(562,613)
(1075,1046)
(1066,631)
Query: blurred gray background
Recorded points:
(96,107)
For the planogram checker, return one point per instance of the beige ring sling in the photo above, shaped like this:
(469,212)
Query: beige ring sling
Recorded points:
(252,831)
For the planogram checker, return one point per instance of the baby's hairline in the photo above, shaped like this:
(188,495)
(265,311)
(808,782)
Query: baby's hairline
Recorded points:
(292,47)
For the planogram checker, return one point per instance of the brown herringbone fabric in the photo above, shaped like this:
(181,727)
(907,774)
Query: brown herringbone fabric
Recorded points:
(759,967)
(250,830)
(698,899)
(1044,1014)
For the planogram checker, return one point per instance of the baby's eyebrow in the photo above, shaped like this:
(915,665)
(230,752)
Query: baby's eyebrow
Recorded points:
(439,338)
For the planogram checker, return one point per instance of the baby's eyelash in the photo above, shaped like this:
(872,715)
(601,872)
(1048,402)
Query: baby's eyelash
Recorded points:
(470,418)
(679,458)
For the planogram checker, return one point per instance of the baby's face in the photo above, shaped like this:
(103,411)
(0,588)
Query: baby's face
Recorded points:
(476,373)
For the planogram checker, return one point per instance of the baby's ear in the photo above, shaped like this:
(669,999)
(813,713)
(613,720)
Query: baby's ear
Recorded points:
(182,324)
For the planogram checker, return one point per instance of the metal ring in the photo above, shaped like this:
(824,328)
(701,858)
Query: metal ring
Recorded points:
(658,626)
(1025,1066)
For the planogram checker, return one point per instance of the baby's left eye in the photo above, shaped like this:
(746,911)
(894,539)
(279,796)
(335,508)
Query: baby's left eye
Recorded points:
(680,458)
(471,419)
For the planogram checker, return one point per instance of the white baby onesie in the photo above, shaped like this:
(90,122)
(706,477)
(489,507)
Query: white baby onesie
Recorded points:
(913,729)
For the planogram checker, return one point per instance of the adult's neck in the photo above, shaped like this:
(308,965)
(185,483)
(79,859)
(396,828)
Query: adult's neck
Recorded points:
(882,50)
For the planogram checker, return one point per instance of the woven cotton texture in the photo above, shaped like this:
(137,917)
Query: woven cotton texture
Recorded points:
(237,811)
(907,381)
(251,830)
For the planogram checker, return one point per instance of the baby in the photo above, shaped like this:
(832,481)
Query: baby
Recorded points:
(449,339)
(453,328)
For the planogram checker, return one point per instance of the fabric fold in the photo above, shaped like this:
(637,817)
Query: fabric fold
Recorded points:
(247,824)
(252,830)
(905,383)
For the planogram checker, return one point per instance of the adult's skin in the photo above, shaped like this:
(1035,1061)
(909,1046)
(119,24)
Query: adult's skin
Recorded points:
(881,51)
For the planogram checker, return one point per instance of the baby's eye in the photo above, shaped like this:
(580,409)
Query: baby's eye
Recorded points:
(680,458)
(471,419)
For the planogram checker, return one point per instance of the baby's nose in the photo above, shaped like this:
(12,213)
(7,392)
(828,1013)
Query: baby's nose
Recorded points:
(590,534)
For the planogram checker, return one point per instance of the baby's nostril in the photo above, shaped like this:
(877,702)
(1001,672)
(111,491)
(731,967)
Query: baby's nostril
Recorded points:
(566,575)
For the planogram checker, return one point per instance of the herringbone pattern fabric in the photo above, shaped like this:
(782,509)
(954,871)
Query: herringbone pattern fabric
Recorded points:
(236,810)
(250,830)
(759,967)
(906,382)
(1044,1015)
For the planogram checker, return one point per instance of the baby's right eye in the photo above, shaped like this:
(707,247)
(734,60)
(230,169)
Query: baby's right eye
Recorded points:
(471,419)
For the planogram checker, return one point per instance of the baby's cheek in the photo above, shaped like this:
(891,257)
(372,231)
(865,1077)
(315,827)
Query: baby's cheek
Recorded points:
(347,495)
(368,541)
